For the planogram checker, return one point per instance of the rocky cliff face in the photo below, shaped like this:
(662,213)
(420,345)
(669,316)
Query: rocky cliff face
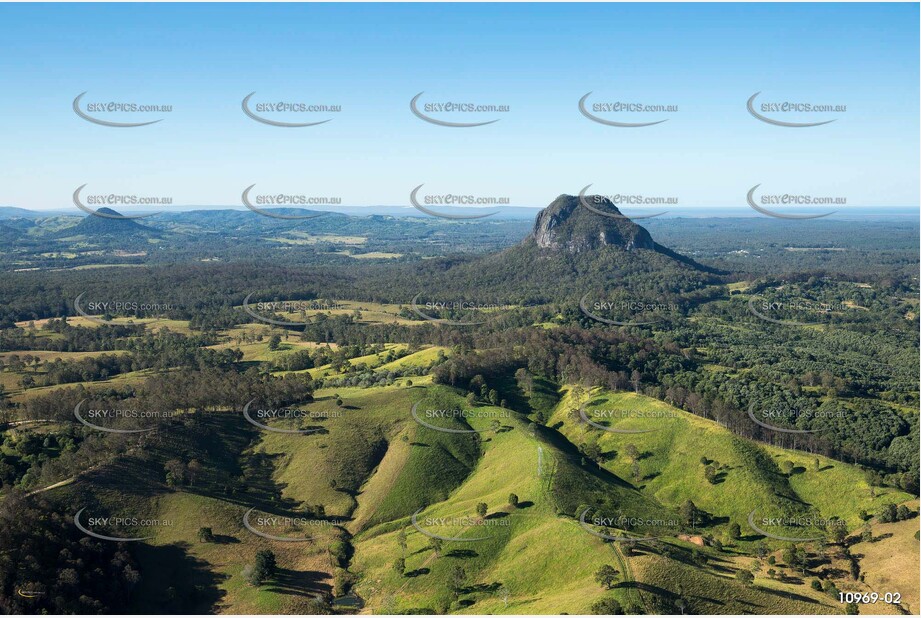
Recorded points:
(567,225)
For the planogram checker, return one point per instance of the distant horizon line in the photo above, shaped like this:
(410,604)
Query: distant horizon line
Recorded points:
(195,207)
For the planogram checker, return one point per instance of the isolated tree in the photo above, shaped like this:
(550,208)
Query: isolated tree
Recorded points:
(274,343)
(796,558)
(838,531)
(477,383)
(525,381)
(608,606)
(513,500)
(205,535)
(888,514)
(689,512)
(606,576)
(435,545)
(482,509)
(399,565)
(745,577)
(401,540)
(735,531)
(458,579)
(194,470)
(786,467)
(263,568)
(175,472)
(632,452)
(593,452)
(710,474)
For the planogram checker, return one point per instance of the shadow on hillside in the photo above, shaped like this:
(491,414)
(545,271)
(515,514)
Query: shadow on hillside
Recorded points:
(175,582)
(462,553)
(418,572)
(789,595)
(202,453)
(299,583)
(561,443)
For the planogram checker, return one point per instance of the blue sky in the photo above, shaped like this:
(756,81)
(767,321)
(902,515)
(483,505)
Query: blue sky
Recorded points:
(538,59)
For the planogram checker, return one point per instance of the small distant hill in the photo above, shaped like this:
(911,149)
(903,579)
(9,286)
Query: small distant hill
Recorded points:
(12,212)
(105,225)
(9,233)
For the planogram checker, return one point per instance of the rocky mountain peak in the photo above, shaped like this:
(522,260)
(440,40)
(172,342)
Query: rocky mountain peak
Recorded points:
(569,225)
